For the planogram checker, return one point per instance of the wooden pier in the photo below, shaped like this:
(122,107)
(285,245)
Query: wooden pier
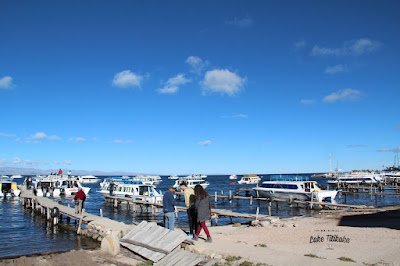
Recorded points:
(55,212)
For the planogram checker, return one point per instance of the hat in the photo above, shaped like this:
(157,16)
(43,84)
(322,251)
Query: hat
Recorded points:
(170,187)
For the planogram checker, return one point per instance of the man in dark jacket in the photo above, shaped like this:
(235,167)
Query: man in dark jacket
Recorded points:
(79,199)
(169,204)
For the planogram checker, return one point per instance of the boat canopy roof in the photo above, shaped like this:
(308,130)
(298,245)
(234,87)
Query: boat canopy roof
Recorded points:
(289,178)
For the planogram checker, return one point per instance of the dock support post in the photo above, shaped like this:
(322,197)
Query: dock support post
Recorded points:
(269,207)
(230,197)
(312,198)
(101,213)
(258,211)
(80,222)
(115,203)
(251,200)
(216,197)
(291,201)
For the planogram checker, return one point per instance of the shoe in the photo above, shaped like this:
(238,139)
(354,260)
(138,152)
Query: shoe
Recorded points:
(195,238)
(189,235)
(209,240)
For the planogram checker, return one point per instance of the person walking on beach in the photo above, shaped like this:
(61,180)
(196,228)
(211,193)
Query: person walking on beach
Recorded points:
(79,199)
(203,209)
(169,204)
(191,211)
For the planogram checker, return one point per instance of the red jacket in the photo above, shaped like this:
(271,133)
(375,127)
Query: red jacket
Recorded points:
(80,195)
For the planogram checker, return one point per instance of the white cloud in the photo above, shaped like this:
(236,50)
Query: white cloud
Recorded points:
(234,116)
(325,51)
(45,162)
(335,69)
(128,79)
(168,90)
(362,46)
(204,143)
(18,140)
(391,150)
(95,139)
(307,101)
(353,47)
(196,64)
(172,85)
(242,23)
(356,145)
(122,141)
(7,135)
(299,44)
(6,83)
(67,162)
(3,161)
(28,162)
(80,140)
(343,95)
(37,161)
(56,162)
(222,81)
(17,160)
(54,137)
(39,135)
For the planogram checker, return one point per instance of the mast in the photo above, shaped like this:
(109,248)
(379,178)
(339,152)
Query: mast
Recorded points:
(330,164)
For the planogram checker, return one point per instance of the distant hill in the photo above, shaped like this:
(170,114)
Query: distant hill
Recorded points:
(33,171)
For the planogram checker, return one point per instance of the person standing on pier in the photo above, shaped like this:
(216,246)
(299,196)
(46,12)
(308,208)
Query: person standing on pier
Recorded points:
(169,204)
(79,199)
(203,209)
(191,211)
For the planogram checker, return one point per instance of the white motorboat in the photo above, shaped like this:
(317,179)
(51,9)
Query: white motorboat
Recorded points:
(148,179)
(135,190)
(173,177)
(192,181)
(16,176)
(88,179)
(356,177)
(249,179)
(232,177)
(294,189)
(8,188)
(46,186)
(70,187)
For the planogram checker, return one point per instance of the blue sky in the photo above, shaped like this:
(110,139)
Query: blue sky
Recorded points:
(216,87)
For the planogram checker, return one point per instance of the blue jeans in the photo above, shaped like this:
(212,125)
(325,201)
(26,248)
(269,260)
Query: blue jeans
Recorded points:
(169,220)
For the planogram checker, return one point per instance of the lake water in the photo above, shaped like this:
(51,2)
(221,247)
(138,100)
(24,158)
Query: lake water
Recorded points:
(22,233)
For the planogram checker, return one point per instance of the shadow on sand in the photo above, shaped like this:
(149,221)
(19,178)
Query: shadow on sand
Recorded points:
(389,219)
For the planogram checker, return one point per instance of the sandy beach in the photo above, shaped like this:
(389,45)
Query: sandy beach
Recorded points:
(356,238)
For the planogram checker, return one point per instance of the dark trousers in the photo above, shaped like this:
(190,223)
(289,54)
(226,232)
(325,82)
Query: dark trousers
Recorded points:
(192,217)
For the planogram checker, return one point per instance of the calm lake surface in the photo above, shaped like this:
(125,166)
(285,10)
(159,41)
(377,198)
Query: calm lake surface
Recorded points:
(22,233)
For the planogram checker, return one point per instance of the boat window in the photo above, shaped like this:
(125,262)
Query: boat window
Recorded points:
(282,186)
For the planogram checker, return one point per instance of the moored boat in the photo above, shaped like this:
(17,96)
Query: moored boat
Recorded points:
(88,179)
(297,188)
(191,182)
(46,186)
(233,177)
(8,188)
(249,179)
(133,189)
(356,177)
